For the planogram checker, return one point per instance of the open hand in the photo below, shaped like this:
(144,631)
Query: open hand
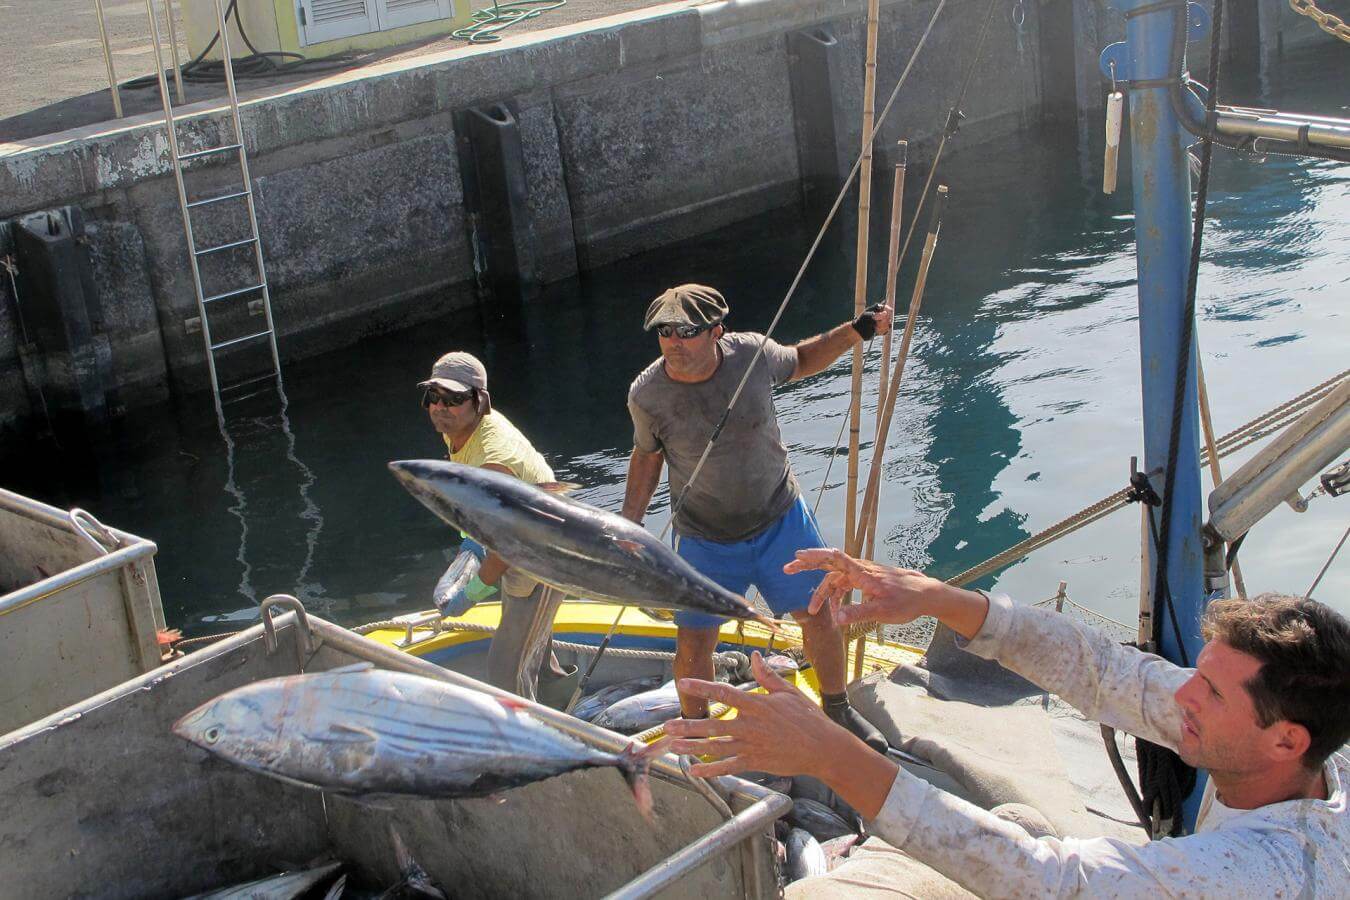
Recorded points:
(890,596)
(782,732)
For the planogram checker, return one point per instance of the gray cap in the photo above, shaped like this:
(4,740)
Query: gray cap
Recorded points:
(687,304)
(457,371)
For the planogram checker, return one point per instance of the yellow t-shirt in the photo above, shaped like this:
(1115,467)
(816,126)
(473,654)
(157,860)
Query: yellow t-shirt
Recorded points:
(498,442)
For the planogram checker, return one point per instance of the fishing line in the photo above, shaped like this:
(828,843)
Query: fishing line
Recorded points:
(678,502)
(810,254)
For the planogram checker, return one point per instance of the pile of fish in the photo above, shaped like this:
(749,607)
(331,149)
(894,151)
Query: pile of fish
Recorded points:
(413,882)
(573,546)
(634,706)
(364,731)
(820,831)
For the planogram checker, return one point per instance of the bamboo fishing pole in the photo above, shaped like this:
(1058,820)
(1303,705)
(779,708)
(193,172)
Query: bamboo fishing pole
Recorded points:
(898,371)
(1215,473)
(892,273)
(860,274)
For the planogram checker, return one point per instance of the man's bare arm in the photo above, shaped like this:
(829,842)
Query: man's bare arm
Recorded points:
(816,353)
(644,474)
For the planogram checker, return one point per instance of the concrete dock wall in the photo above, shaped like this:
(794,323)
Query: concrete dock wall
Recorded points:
(634,132)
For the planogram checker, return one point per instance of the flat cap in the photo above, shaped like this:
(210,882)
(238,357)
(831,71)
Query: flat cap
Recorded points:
(687,304)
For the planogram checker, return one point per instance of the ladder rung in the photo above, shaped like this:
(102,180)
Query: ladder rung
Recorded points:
(239,340)
(239,385)
(208,151)
(244,243)
(235,293)
(232,399)
(227,392)
(210,200)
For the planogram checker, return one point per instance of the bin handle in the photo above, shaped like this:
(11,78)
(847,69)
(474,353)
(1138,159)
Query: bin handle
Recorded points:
(98,535)
(303,637)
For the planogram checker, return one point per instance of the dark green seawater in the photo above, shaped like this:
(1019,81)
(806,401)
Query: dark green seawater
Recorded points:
(1020,404)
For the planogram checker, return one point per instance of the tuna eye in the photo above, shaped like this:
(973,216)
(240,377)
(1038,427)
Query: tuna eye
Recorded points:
(212,734)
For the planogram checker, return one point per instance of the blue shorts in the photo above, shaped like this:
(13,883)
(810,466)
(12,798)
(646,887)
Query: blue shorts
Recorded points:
(759,561)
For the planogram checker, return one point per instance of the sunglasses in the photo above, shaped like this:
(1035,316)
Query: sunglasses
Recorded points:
(445,398)
(682,331)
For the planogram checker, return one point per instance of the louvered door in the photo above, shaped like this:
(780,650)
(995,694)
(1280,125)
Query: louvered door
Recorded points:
(396,13)
(328,20)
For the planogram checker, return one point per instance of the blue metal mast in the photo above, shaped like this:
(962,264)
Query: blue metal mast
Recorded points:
(1162,226)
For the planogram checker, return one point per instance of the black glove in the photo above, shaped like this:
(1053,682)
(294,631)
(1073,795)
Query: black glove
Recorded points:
(866,324)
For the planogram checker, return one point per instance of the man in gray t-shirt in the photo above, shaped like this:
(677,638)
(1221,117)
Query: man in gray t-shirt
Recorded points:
(743,518)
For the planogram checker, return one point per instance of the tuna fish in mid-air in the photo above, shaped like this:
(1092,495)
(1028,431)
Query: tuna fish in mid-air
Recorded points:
(571,545)
(362,731)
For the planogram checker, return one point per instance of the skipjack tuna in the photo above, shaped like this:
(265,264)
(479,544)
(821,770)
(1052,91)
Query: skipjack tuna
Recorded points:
(361,730)
(571,545)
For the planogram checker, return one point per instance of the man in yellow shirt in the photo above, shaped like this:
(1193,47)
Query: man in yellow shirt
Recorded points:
(457,400)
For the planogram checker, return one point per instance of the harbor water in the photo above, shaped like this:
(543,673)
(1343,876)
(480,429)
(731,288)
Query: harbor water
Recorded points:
(1020,403)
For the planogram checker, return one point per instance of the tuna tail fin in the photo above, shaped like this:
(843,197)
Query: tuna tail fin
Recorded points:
(771,624)
(635,761)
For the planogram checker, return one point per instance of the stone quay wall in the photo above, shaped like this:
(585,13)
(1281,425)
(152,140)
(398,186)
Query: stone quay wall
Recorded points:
(399,192)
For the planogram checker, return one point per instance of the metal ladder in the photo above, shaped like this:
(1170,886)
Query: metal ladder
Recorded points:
(245,193)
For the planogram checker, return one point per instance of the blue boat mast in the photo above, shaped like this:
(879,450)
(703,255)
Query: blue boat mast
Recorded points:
(1162,226)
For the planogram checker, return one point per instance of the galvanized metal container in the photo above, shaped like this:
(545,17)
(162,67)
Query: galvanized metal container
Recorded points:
(103,799)
(79,608)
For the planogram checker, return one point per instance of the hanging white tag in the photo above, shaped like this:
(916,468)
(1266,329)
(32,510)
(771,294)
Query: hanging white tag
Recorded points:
(1114,105)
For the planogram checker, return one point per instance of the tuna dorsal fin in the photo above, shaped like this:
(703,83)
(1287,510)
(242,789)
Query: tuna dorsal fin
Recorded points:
(352,733)
(558,487)
(348,669)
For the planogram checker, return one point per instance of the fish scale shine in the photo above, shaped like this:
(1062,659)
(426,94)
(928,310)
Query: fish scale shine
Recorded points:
(565,543)
(369,731)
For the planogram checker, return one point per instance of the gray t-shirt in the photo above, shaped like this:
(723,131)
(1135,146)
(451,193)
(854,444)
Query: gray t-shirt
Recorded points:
(746,484)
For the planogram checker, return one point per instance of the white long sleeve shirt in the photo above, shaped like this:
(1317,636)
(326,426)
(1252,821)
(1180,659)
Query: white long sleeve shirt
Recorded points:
(1292,849)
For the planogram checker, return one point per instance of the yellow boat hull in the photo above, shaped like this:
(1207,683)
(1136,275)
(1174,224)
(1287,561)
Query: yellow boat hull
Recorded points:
(586,623)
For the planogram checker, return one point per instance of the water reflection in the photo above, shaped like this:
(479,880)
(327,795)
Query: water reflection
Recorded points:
(1020,402)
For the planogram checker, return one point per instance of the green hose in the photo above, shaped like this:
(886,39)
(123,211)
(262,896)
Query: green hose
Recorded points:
(485,24)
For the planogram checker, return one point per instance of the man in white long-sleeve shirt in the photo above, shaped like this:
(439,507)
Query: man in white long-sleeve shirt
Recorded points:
(1265,711)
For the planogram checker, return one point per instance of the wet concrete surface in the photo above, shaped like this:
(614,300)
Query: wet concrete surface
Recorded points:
(53,76)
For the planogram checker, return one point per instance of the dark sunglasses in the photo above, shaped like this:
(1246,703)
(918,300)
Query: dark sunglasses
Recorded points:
(682,331)
(445,398)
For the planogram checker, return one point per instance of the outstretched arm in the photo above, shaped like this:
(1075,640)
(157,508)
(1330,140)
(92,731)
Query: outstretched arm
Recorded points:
(784,733)
(816,353)
(1109,683)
